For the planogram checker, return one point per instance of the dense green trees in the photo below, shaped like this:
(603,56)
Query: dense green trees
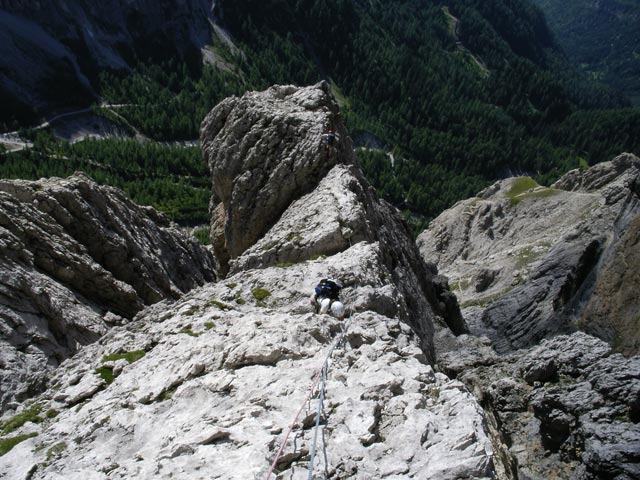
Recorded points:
(603,38)
(461,91)
(172,178)
(168,101)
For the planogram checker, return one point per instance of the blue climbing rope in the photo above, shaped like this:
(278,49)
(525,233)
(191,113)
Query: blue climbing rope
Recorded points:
(323,383)
(320,375)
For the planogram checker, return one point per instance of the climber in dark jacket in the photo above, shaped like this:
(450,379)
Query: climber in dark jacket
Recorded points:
(329,138)
(326,296)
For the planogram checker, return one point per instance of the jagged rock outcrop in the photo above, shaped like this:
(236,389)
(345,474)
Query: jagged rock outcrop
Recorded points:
(207,386)
(567,408)
(542,261)
(531,263)
(77,258)
(282,195)
(265,150)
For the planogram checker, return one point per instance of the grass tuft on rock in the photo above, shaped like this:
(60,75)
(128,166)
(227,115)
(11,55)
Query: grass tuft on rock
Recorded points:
(189,331)
(520,185)
(32,414)
(219,304)
(6,444)
(106,373)
(525,187)
(56,450)
(260,293)
(128,356)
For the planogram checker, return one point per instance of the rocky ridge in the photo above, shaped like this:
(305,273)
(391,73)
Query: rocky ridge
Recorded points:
(531,263)
(281,196)
(206,386)
(76,259)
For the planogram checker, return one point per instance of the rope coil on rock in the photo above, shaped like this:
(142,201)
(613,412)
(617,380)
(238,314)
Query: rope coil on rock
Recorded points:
(320,374)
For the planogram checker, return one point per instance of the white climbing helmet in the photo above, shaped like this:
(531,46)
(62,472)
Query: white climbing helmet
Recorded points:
(337,309)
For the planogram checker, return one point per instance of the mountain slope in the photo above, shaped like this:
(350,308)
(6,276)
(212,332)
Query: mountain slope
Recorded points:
(51,52)
(603,38)
(207,386)
(76,259)
(535,268)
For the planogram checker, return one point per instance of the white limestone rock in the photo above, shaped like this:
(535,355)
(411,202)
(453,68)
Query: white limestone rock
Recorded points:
(224,375)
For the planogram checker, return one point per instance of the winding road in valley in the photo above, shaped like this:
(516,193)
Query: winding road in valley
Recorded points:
(14,143)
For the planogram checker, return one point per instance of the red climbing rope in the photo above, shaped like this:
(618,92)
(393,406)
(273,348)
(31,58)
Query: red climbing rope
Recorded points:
(317,377)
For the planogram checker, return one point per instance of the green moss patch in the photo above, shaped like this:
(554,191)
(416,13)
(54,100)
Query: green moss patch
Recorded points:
(32,414)
(260,293)
(285,264)
(540,193)
(168,393)
(523,188)
(106,373)
(189,331)
(520,185)
(6,444)
(219,304)
(191,311)
(128,356)
(209,325)
(202,235)
(51,413)
(56,450)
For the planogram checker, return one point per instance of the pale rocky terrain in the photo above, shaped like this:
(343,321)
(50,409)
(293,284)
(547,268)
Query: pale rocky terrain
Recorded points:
(206,386)
(535,268)
(75,259)
(224,375)
(528,263)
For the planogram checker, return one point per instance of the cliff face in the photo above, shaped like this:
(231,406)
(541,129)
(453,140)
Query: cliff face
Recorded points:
(76,259)
(530,263)
(282,195)
(207,386)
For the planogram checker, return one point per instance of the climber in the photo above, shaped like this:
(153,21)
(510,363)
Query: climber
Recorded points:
(326,296)
(329,138)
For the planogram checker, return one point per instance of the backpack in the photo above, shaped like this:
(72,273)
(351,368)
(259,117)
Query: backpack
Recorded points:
(328,289)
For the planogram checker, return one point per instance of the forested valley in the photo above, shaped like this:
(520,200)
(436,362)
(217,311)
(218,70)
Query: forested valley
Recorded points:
(441,97)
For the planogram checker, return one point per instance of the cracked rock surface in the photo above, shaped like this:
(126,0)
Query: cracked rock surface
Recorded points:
(77,258)
(223,375)
(546,261)
(206,386)
(533,267)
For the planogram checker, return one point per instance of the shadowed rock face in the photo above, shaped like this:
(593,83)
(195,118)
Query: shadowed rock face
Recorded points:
(76,258)
(530,265)
(66,43)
